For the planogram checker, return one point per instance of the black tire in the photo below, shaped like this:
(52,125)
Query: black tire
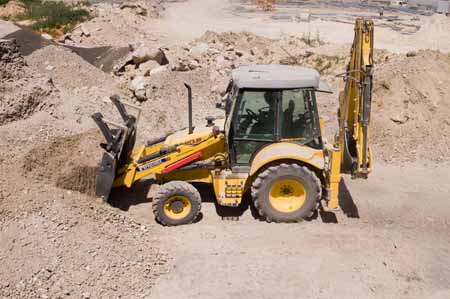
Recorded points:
(176,192)
(263,183)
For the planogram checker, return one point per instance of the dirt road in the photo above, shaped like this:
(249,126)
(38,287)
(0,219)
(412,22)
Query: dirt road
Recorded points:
(390,241)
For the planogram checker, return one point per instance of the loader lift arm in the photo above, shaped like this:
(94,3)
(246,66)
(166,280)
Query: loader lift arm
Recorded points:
(351,153)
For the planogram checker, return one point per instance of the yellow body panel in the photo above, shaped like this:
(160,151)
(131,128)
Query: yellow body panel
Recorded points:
(287,151)
(201,140)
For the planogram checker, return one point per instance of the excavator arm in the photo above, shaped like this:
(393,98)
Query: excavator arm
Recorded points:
(355,102)
(351,153)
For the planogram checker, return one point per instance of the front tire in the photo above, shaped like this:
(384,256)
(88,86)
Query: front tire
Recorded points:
(176,203)
(286,193)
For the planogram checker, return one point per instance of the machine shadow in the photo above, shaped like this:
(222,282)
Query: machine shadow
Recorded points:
(232,213)
(123,198)
(346,203)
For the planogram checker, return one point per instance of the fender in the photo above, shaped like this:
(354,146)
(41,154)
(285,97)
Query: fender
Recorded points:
(285,151)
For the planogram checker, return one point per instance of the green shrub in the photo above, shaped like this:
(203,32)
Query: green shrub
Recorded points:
(3,2)
(51,15)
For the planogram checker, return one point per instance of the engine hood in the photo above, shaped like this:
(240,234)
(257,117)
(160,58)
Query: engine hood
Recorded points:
(199,134)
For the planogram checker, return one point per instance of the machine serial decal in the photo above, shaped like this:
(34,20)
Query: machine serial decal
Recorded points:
(152,164)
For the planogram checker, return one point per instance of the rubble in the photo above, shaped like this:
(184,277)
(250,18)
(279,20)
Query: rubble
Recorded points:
(22,91)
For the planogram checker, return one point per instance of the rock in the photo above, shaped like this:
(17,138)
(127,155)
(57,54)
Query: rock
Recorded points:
(303,17)
(193,64)
(411,54)
(134,46)
(199,50)
(137,8)
(84,31)
(47,36)
(182,66)
(158,70)
(401,118)
(239,53)
(146,67)
(140,95)
(223,63)
(137,86)
(143,54)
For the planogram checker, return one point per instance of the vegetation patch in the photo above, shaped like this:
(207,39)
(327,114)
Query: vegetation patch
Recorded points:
(4,2)
(52,16)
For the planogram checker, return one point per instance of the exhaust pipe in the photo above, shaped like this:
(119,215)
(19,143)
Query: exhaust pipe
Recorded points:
(191,128)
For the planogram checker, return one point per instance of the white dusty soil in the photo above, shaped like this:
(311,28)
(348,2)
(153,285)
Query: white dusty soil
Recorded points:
(389,239)
(184,21)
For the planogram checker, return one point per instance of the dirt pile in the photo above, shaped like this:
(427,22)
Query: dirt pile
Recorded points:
(22,91)
(11,62)
(411,107)
(218,54)
(61,244)
(228,50)
(11,9)
(67,162)
(116,24)
(66,68)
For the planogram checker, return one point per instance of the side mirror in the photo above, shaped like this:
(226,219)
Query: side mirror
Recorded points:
(220,105)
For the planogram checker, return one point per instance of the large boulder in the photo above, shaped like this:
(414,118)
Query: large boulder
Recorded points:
(137,86)
(143,54)
(146,67)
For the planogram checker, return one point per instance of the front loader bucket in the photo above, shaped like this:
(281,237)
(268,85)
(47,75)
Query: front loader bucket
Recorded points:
(120,141)
(105,175)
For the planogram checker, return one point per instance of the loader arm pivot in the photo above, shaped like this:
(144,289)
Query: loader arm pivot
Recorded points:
(355,104)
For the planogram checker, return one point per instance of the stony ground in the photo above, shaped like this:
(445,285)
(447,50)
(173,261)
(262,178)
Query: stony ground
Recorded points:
(390,239)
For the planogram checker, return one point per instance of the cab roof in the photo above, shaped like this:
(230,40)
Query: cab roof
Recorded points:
(275,76)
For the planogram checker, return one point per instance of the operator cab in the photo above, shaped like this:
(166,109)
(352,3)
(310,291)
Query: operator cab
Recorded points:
(271,103)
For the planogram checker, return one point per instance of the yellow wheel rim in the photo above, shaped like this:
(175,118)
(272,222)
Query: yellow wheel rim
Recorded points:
(287,195)
(177,207)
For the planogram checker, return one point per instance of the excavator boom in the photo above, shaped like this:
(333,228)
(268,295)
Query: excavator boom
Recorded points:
(355,104)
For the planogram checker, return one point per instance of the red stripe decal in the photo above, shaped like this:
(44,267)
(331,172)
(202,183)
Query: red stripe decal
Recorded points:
(182,162)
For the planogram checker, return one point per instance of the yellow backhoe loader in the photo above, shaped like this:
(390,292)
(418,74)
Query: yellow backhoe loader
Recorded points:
(268,145)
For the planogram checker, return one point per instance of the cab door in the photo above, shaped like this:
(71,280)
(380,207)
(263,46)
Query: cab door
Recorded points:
(253,124)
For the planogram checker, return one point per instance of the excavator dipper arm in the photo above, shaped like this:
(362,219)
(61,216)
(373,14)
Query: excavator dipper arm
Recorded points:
(351,153)
(355,103)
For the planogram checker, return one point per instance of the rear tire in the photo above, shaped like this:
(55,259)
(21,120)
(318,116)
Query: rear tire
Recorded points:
(286,193)
(176,203)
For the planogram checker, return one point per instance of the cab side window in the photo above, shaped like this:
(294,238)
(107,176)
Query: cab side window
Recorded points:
(296,116)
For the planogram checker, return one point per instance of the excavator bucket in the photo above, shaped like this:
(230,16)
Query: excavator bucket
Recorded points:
(120,140)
